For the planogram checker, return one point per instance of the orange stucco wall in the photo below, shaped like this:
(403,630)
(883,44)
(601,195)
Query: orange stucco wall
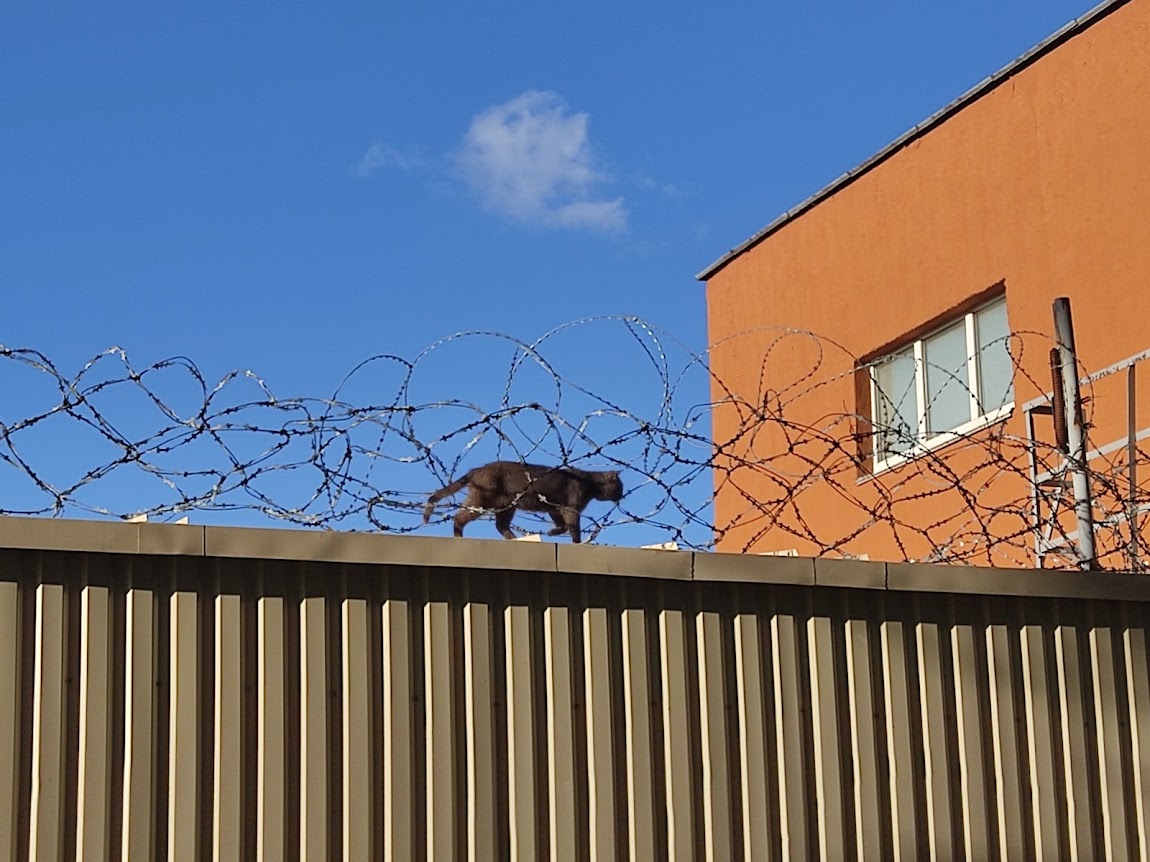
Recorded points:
(1042,183)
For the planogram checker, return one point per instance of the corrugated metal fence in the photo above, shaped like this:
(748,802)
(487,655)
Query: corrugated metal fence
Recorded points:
(202,693)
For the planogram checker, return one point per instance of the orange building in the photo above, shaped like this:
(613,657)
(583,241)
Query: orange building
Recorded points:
(881,352)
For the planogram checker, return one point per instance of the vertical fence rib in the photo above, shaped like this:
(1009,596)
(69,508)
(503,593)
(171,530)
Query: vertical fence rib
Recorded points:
(94,777)
(1007,766)
(560,734)
(864,741)
(713,717)
(440,731)
(1111,802)
(789,737)
(10,660)
(676,739)
(183,730)
(45,836)
(520,734)
(976,821)
(271,815)
(825,732)
(932,701)
(752,738)
(356,736)
(1138,693)
(227,830)
(600,748)
(480,732)
(637,709)
(1075,756)
(904,817)
(139,739)
(397,738)
(1040,742)
(313,803)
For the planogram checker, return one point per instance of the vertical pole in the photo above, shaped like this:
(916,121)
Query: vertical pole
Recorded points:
(1075,433)
(1132,468)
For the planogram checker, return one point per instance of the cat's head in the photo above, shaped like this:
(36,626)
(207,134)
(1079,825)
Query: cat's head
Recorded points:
(610,487)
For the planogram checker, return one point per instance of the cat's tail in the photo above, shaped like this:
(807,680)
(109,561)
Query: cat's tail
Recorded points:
(454,488)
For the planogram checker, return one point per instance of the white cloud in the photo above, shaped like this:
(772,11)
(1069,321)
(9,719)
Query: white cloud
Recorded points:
(379,156)
(530,158)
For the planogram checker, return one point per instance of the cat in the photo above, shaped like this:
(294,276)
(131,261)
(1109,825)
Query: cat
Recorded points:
(504,486)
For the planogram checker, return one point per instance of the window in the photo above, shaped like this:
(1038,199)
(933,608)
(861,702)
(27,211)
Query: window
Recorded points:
(953,381)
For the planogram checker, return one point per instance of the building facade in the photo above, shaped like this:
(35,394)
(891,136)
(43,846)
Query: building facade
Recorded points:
(881,353)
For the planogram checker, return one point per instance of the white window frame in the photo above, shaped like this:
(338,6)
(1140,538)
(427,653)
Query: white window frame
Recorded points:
(924,444)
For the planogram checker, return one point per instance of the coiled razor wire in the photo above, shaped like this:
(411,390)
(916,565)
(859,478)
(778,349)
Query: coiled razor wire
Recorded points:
(706,465)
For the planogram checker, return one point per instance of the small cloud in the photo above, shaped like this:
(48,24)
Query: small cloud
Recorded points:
(380,156)
(530,158)
(668,190)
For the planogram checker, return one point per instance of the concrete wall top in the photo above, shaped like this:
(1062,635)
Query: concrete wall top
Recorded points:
(114,537)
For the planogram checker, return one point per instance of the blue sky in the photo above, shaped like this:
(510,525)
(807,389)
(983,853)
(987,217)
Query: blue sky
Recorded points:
(291,189)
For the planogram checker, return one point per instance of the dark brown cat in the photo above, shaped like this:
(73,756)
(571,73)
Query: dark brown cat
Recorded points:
(504,486)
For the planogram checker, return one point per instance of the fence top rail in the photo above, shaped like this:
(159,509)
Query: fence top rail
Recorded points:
(116,537)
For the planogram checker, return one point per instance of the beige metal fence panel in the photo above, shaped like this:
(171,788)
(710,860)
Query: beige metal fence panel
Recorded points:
(340,708)
(10,655)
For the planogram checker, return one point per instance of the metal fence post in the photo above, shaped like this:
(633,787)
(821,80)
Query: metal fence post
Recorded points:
(1075,433)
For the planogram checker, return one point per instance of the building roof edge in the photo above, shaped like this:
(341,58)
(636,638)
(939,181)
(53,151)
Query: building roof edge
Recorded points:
(980,89)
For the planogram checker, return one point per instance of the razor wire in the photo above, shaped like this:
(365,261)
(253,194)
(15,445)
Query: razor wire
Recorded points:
(784,465)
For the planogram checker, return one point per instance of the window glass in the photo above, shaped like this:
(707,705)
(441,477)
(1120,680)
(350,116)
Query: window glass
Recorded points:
(897,408)
(947,380)
(995,368)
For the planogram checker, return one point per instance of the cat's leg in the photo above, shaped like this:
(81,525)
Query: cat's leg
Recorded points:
(571,519)
(503,522)
(463,517)
(560,524)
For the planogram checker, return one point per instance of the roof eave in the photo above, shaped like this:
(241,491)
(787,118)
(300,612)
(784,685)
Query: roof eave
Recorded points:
(978,90)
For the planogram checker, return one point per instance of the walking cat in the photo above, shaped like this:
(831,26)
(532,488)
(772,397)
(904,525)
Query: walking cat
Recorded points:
(504,486)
